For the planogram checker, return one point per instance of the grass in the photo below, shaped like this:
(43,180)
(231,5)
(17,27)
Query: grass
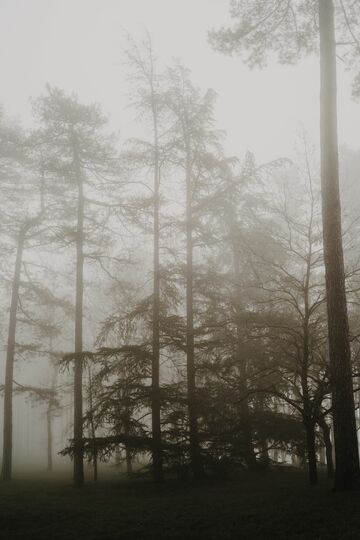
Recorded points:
(276,505)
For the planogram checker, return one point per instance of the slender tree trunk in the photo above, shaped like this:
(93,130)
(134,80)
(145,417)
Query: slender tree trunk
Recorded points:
(196,460)
(118,455)
(346,444)
(308,422)
(311,452)
(326,429)
(126,427)
(49,417)
(264,457)
(78,368)
(264,452)
(95,453)
(128,459)
(155,371)
(95,464)
(49,437)
(249,450)
(92,427)
(9,369)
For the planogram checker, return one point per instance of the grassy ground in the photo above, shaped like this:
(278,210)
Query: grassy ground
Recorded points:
(278,505)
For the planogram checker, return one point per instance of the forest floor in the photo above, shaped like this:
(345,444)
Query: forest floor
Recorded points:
(275,505)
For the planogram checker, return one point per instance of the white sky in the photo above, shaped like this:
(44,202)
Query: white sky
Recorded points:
(77,45)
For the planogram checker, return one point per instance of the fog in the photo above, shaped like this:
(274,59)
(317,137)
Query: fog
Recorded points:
(78,47)
(180,262)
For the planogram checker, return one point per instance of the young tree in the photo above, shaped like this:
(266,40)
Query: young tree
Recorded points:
(295,29)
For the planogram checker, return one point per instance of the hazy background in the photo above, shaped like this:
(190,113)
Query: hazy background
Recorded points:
(77,45)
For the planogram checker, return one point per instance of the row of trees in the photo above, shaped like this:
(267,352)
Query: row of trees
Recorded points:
(195,364)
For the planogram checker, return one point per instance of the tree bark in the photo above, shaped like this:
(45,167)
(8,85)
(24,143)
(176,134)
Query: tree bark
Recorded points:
(78,368)
(10,357)
(346,444)
(196,461)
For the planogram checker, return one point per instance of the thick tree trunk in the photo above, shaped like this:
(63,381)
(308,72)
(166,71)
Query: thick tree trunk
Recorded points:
(9,369)
(155,372)
(326,429)
(346,444)
(311,452)
(78,368)
(196,460)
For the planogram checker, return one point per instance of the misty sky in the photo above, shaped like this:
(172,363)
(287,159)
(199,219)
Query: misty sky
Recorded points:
(77,45)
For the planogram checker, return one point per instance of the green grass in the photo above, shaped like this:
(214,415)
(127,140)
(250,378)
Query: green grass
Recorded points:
(277,505)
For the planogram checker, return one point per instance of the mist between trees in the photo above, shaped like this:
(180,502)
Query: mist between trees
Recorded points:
(171,308)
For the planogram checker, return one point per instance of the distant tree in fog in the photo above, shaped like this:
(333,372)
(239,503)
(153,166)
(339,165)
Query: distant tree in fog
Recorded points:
(147,98)
(20,189)
(81,155)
